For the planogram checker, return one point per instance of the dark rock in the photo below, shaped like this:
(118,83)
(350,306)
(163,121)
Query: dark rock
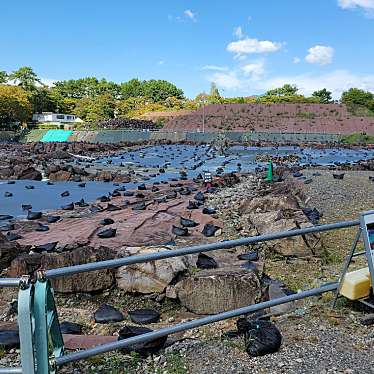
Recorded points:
(6,226)
(11,182)
(42,228)
(142,187)
(26,206)
(144,316)
(209,230)
(65,194)
(12,236)
(48,247)
(29,187)
(128,193)
(185,222)
(5,217)
(338,176)
(107,233)
(192,205)
(33,215)
(9,339)
(313,215)
(249,256)
(199,196)
(68,206)
(108,314)
(104,199)
(8,194)
(112,208)
(106,221)
(82,185)
(179,231)
(139,206)
(8,251)
(367,319)
(206,262)
(143,349)
(209,211)
(53,219)
(70,328)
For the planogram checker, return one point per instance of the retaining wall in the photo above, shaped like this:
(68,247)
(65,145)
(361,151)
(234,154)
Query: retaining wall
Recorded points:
(115,136)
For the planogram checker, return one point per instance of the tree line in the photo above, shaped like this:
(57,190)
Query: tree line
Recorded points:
(22,93)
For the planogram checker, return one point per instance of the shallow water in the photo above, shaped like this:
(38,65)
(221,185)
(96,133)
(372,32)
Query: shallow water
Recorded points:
(148,160)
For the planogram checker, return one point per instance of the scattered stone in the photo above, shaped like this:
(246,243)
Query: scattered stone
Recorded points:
(144,316)
(206,262)
(108,314)
(70,328)
(143,349)
(107,233)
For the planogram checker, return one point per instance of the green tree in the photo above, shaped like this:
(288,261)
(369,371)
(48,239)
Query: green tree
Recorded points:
(14,104)
(132,88)
(160,90)
(286,90)
(323,96)
(95,109)
(25,77)
(214,90)
(355,97)
(3,76)
(42,100)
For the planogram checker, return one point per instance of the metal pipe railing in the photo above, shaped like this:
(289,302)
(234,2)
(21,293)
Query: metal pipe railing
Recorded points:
(11,370)
(191,324)
(110,264)
(9,282)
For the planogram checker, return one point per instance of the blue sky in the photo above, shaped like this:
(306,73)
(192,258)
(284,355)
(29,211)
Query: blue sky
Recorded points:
(245,46)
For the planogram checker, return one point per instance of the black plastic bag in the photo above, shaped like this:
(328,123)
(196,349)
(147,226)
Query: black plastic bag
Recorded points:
(260,337)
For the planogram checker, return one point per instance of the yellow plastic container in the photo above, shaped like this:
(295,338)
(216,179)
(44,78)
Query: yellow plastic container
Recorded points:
(356,284)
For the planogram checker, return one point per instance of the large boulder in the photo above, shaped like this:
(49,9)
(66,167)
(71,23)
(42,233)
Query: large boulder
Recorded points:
(274,213)
(8,251)
(218,290)
(149,277)
(61,175)
(83,282)
(27,172)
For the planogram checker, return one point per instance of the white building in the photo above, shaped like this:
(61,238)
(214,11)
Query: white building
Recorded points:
(55,117)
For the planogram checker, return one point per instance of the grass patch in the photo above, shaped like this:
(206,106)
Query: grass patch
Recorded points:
(358,139)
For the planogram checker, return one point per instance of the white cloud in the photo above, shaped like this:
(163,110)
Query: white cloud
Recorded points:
(190,14)
(320,54)
(249,46)
(238,32)
(161,62)
(336,81)
(366,5)
(215,67)
(228,80)
(254,70)
(296,60)
(48,82)
(240,82)
(349,4)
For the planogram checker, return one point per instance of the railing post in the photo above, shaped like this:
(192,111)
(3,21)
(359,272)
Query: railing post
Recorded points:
(48,339)
(25,323)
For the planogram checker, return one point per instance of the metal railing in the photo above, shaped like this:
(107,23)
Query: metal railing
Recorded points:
(115,263)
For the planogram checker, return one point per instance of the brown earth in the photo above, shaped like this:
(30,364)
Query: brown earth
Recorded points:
(289,118)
